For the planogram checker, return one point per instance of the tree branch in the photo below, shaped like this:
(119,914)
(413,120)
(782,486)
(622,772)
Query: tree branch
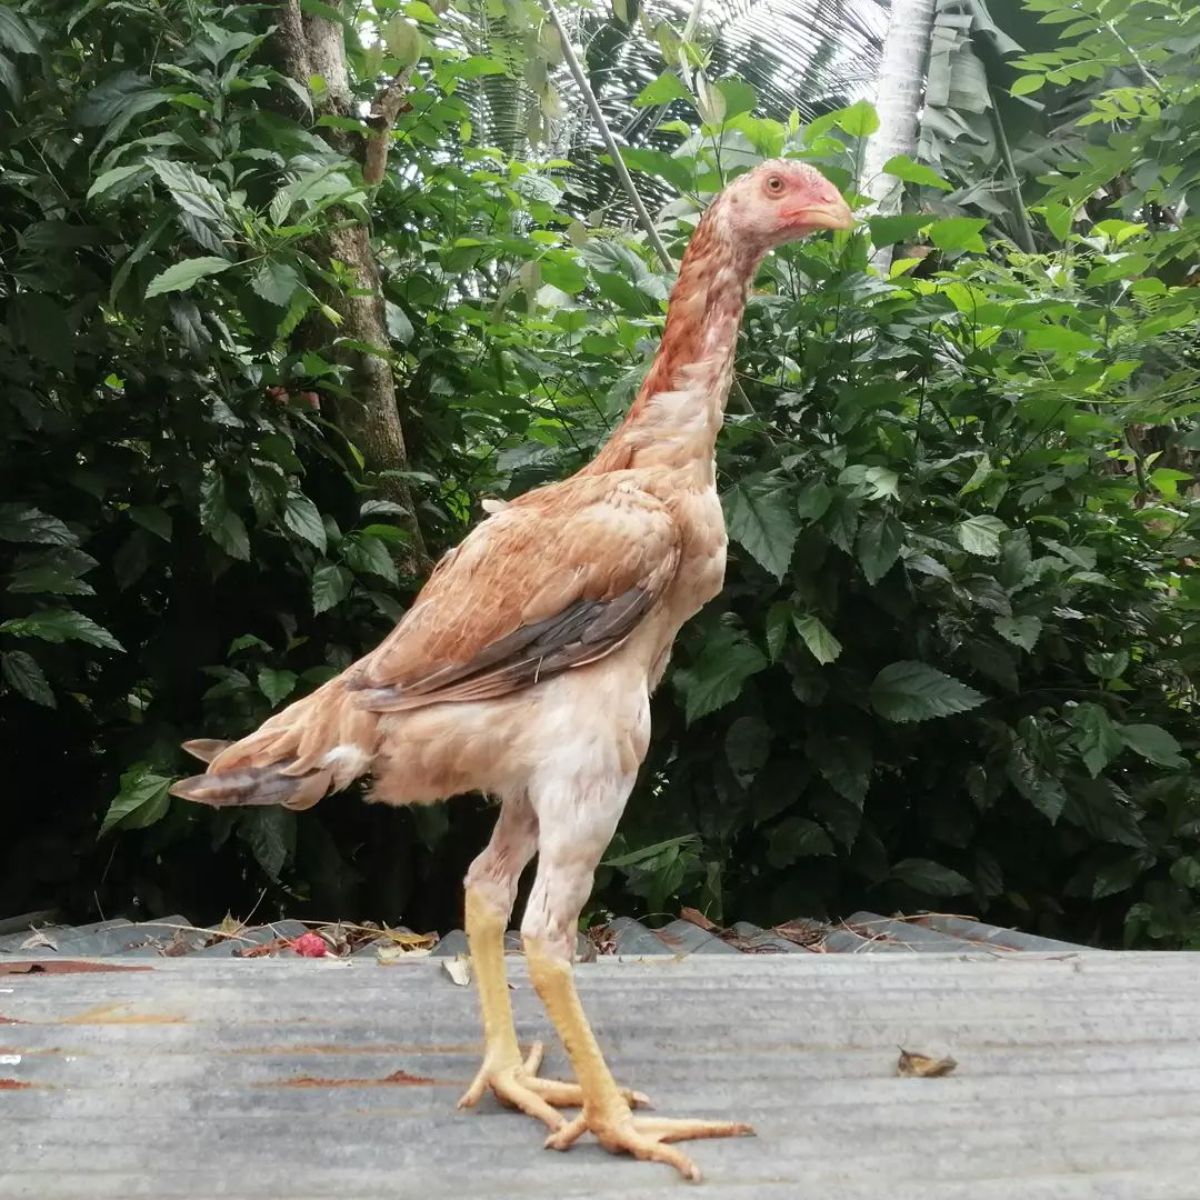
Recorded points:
(1147,74)
(610,142)
(1014,184)
(387,107)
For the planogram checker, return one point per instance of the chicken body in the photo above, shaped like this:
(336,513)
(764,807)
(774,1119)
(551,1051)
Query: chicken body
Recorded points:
(524,669)
(594,714)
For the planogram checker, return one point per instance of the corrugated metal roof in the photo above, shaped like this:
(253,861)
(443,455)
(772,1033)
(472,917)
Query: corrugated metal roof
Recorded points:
(191,1078)
(865,932)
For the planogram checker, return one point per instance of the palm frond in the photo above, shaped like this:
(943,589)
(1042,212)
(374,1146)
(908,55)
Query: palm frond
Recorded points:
(804,55)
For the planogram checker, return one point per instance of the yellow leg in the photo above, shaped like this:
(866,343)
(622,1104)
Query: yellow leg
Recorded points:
(606,1111)
(511,1077)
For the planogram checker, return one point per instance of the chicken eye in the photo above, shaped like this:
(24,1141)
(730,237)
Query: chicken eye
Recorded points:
(774,185)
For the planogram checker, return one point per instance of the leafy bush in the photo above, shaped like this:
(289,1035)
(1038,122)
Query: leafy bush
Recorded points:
(952,664)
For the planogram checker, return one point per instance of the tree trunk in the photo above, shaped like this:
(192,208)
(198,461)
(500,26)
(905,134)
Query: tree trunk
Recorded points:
(311,45)
(898,101)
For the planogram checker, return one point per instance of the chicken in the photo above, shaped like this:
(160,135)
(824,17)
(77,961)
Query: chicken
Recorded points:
(524,670)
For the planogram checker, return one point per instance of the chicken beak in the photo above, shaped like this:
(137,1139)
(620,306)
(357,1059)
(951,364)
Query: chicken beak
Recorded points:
(835,214)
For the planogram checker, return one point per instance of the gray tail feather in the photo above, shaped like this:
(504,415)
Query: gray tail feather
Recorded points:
(206,749)
(247,786)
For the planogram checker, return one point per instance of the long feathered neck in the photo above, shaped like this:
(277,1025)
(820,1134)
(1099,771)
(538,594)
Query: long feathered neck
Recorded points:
(677,414)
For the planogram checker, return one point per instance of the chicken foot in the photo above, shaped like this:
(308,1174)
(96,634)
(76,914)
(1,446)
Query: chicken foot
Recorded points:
(512,1077)
(491,888)
(606,1110)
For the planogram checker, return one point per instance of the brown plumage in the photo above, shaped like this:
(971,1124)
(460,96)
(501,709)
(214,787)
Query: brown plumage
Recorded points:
(524,667)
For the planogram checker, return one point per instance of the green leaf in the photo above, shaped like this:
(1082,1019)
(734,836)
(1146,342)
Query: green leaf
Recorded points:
(887,231)
(1118,876)
(194,194)
(1167,481)
(1027,84)
(22,673)
(16,33)
(930,877)
(404,41)
(958,233)
(1021,631)
(392,534)
(779,617)
(880,539)
(330,585)
(327,12)
(663,90)
(1060,338)
(110,179)
(399,326)
(760,515)
(726,661)
(881,482)
(276,685)
(271,835)
(24,523)
(914,691)
(45,328)
(1105,812)
(1035,783)
(653,162)
(794,838)
(983,470)
(740,96)
(747,746)
(156,520)
(814,500)
(55,571)
(981,535)
(246,641)
(646,855)
(845,764)
(475,66)
(1107,666)
(841,522)
(1058,218)
(903,167)
(366,555)
(561,270)
(61,625)
(995,661)
(823,646)
(300,515)
(1096,737)
(859,120)
(184,275)
(275,282)
(219,521)
(1152,742)
(142,799)
(1186,872)
(843,818)
(116,101)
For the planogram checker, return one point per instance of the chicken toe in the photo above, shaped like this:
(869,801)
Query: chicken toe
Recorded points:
(645,1138)
(516,1084)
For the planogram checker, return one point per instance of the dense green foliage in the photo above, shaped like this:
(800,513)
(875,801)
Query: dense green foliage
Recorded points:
(953,661)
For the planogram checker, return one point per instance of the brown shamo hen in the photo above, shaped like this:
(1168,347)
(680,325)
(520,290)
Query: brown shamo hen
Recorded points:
(525,666)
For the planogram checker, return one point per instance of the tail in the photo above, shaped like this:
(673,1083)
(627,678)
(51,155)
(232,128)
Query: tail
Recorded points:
(319,744)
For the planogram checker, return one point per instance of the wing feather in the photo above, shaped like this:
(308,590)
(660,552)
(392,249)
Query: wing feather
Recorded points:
(554,580)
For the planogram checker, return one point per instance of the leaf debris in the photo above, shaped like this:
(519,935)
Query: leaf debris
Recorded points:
(922,1066)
